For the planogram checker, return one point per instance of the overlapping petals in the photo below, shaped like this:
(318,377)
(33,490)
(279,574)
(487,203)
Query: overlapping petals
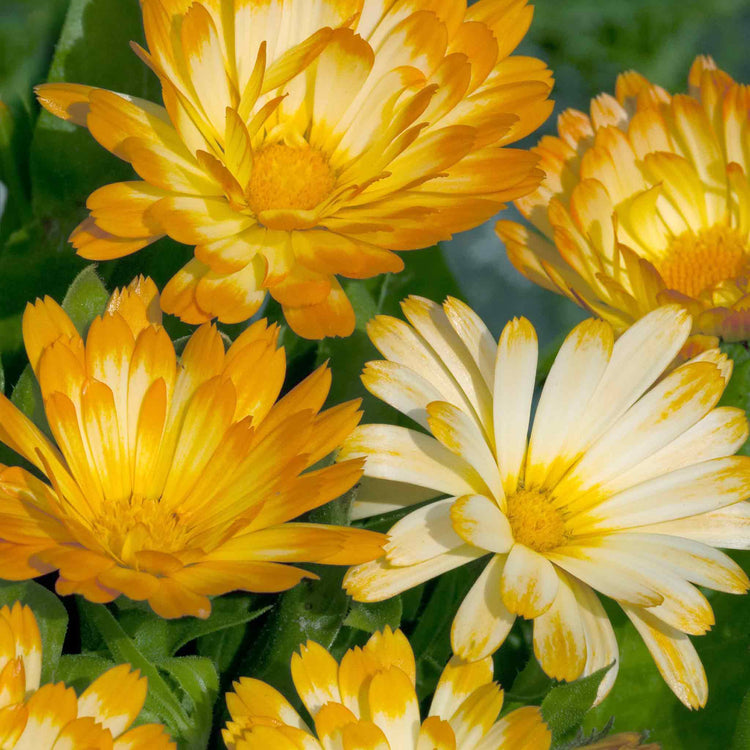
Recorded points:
(170,479)
(40,718)
(301,140)
(625,486)
(369,702)
(647,202)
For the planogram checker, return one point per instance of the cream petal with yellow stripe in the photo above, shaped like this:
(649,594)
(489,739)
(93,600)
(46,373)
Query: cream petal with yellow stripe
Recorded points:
(564,508)
(369,702)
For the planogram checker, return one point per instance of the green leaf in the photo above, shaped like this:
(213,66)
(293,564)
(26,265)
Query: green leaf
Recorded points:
(312,610)
(27,396)
(741,739)
(566,705)
(80,670)
(50,616)
(375,616)
(160,700)
(86,298)
(222,647)
(199,682)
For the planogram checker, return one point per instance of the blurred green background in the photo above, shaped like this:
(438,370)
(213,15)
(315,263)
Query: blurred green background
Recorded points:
(47,169)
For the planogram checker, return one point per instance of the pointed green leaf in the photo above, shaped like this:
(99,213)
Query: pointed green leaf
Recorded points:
(85,299)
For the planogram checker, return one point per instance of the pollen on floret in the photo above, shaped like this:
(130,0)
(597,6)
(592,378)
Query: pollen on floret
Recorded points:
(696,261)
(535,521)
(289,177)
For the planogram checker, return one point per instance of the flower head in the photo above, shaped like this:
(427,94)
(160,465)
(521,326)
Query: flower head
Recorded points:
(369,702)
(171,480)
(624,487)
(305,139)
(51,715)
(646,202)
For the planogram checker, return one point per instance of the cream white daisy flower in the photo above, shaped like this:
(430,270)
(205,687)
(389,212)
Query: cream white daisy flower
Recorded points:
(623,484)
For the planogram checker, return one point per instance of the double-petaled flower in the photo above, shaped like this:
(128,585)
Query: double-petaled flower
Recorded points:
(624,487)
(170,479)
(369,702)
(647,202)
(305,139)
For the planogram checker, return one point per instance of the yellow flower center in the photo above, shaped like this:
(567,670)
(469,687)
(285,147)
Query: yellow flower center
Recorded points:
(696,261)
(535,521)
(139,524)
(289,177)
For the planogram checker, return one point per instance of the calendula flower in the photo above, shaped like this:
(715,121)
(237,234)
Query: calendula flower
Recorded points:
(369,702)
(647,202)
(38,718)
(624,487)
(305,139)
(172,479)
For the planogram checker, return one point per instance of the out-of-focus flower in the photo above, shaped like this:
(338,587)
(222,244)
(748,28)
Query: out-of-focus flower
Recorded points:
(646,202)
(171,480)
(624,487)
(369,702)
(305,139)
(40,718)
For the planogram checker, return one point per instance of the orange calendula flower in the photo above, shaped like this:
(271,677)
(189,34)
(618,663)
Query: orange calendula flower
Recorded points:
(369,702)
(622,484)
(305,139)
(646,202)
(38,718)
(172,479)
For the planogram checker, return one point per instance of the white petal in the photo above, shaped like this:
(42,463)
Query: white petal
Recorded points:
(722,432)
(686,492)
(640,355)
(378,580)
(457,682)
(559,636)
(422,534)
(675,657)
(460,434)
(727,527)
(404,455)
(433,325)
(478,521)
(664,413)
(529,582)
(515,377)
(475,335)
(375,496)
(601,643)
(402,388)
(571,382)
(482,622)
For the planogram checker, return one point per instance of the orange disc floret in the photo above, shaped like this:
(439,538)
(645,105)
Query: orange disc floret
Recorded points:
(170,479)
(292,153)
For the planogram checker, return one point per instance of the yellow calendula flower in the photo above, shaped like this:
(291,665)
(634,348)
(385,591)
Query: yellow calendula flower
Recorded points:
(305,139)
(172,479)
(624,487)
(369,702)
(647,202)
(40,718)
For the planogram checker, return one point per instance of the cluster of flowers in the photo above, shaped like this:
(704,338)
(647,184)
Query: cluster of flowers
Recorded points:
(304,140)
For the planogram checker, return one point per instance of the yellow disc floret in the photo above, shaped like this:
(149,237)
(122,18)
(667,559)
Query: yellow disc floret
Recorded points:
(285,177)
(535,521)
(696,261)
